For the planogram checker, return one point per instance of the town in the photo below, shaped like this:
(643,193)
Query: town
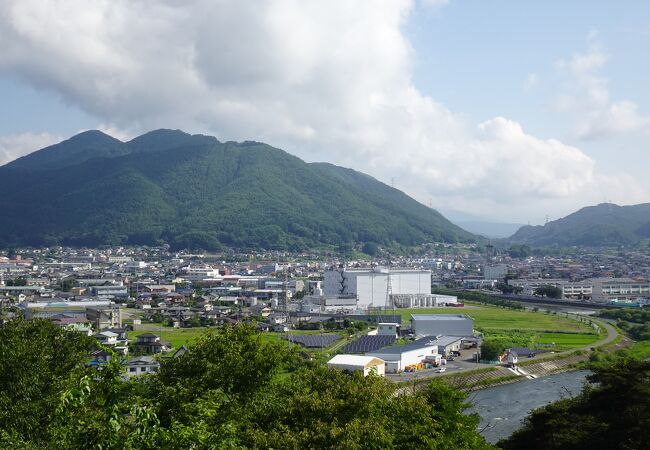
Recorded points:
(364,314)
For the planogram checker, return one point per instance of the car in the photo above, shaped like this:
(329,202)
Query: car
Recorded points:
(450,358)
(441,370)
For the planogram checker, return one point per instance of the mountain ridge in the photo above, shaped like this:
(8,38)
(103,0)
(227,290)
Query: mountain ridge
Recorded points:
(195,191)
(602,225)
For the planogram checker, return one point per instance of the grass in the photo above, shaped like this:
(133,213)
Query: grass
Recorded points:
(185,336)
(492,317)
(176,336)
(537,327)
(640,349)
(567,340)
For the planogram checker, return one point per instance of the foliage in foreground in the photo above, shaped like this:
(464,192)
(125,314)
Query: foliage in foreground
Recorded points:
(614,414)
(230,390)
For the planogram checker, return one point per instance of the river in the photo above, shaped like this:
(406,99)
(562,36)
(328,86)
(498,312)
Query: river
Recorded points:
(503,408)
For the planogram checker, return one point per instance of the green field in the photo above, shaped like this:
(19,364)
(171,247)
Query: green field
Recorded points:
(185,336)
(176,336)
(567,340)
(492,317)
(526,327)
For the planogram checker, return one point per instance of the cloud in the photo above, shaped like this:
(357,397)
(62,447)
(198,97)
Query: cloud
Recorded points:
(325,80)
(17,145)
(588,100)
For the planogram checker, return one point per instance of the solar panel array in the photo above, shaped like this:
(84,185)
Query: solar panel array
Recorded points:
(313,340)
(368,344)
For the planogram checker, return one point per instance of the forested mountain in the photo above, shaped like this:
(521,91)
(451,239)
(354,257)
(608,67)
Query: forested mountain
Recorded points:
(594,226)
(194,191)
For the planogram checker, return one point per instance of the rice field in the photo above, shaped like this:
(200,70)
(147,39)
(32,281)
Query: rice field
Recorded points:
(492,317)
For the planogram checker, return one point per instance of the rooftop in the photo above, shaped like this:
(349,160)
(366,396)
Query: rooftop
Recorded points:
(439,317)
(355,360)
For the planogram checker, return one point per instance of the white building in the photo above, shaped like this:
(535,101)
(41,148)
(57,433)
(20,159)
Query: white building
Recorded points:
(358,363)
(495,272)
(198,274)
(422,300)
(399,358)
(141,365)
(370,285)
(388,329)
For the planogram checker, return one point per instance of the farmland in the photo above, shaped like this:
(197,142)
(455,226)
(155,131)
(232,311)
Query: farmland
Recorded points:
(492,317)
(521,328)
(525,328)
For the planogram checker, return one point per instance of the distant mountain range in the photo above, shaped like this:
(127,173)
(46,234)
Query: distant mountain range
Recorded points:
(193,191)
(602,225)
(493,230)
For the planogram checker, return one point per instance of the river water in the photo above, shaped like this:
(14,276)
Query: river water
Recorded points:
(503,408)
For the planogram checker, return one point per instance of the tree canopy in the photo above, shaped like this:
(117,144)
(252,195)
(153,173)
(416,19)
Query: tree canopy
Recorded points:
(230,389)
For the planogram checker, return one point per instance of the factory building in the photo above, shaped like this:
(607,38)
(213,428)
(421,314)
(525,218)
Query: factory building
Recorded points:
(370,286)
(358,363)
(401,358)
(441,324)
(423,300)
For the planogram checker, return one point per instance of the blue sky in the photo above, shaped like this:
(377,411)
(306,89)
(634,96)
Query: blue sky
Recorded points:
(504,110)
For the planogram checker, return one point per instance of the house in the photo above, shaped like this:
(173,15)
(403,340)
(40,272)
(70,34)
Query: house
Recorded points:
(101,318)
(512,355)
(358,363)
(79,328)
(107,337)
(260,310)
(277,318)
(180,352)
(150,343)
(99,357)
(122,335)
(142,365)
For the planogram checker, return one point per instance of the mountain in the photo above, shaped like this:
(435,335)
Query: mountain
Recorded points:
(602,225)
(194,191)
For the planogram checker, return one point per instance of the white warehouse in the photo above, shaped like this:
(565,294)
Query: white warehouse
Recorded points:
(358,363)
(398,358)
(370,285)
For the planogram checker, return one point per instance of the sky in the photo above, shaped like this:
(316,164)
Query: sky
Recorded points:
(505,111)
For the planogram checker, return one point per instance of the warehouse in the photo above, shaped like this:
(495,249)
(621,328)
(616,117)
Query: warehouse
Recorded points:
(441,324)
(370,286)
(406,356)
(446,345)
(358,363)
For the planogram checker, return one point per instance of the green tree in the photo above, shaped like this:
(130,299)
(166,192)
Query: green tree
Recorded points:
(491,349)
(549,291)
(38,360)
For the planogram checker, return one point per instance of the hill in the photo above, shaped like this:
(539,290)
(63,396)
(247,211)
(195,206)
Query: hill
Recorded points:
(602,225)
(194,191)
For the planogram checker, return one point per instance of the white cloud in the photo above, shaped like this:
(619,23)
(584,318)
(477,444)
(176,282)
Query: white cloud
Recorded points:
(17,145)
(325,80)
(587,98)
